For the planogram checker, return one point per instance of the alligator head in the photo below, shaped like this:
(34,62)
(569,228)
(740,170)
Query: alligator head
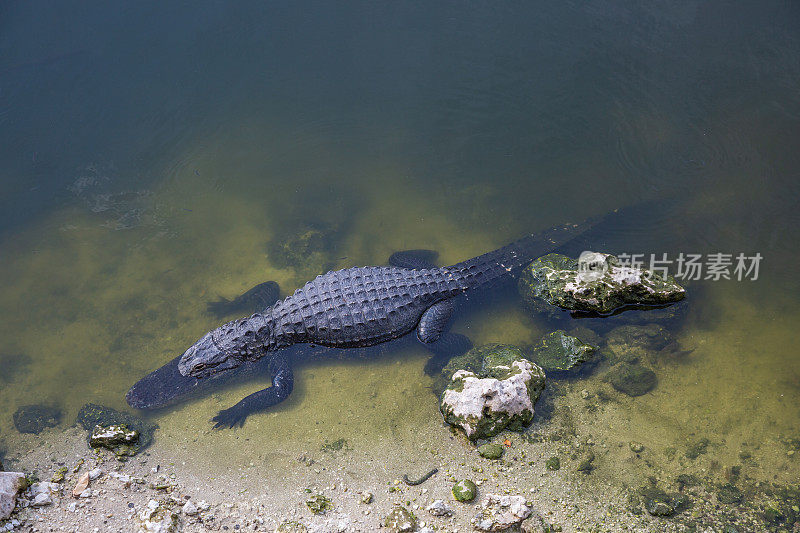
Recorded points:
(206,358)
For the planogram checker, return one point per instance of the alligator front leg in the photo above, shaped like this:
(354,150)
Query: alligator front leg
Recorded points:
(282,384)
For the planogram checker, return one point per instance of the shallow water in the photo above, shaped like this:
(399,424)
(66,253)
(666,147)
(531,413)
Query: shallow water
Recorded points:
(150,157)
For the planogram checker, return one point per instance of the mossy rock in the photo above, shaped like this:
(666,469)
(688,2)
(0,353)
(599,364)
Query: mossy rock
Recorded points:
(35,418)
(319,504)
(555,281)
(497,390)
(559,352)
(491,450)
(92,415)
(633,380)
(554,463)
(400,519)
(480,361)
(657,502)
(465,490)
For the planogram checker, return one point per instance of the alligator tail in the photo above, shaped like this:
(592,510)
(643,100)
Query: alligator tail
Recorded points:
(510,259)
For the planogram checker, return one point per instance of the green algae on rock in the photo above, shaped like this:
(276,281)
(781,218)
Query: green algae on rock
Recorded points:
(92,415)
(556,280)
(465,490)
(117,438)
(633,380)
(554,463)
(400,519)
(491,450)
(319,504)
(560,352)
(496,394)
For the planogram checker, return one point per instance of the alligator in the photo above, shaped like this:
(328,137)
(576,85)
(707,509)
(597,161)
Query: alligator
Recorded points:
(355,308)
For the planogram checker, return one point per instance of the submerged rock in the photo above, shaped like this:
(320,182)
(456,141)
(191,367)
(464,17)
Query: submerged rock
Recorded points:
(557,280)
(117,438)
(464,491)
(633,380)
(11,484)
(400,519)
(92,415)
(499,513)
(631,343)
(560,352)
(34,418)
(659,503)
(499,394)
(160,519)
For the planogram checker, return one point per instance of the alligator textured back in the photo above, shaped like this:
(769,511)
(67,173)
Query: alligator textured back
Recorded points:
(361,306)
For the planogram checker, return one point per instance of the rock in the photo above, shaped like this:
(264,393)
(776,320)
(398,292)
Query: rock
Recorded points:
(291,526)
(42,499)
(465,490)
(95,473)
(554,463)
(636,447)
(81,485)
(439,508)
(159,519)
(659,503)
(633,343)
(491,450)
(729,494)
(34,418)
(559,352)
(117,438)
(92,415)
(400,519)
(557,280)
(189,508)
(367,497)
(11,484)
(500,394)
(319,504)
(633,379)
(43,487)
(59,474)
(499,513)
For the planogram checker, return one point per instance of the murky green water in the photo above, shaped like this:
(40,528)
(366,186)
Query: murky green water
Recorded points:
(150,155)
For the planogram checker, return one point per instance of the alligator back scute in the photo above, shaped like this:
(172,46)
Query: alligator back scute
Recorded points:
(360,306)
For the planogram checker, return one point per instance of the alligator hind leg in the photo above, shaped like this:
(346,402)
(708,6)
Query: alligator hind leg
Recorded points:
(434,321)
(415,259)
(282,384)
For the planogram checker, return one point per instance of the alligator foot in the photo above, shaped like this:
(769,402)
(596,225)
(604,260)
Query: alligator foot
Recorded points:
(282,384)
(415,259)
(256,299)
